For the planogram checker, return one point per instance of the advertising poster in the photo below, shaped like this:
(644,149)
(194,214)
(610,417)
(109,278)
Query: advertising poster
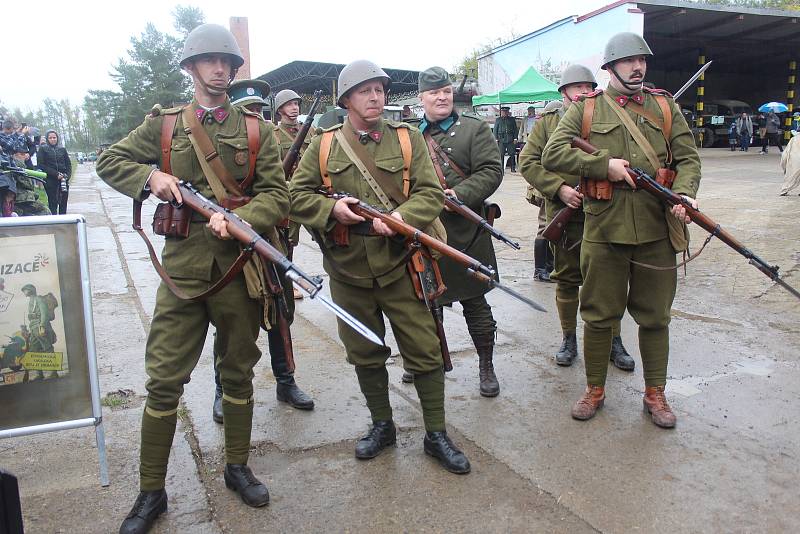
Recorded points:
(32,339)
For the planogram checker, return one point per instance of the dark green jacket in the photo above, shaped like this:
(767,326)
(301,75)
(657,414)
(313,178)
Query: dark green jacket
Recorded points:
(630,217)
(126,166)
(530,166)
(367,260)
(469,143)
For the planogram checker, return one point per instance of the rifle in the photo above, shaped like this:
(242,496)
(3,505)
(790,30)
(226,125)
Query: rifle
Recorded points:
(670,198)
(241,231)
(455,205)
(7,167)
(290,159)
(415,237)
(555,229)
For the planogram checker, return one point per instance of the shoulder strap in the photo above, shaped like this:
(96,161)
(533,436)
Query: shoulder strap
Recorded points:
(434,147)
(405,149)
(217,175)
(167,129)
(253,143)
(324,153)
(434,154)
(366,166)
(637,135)
(232,271)
(588,115)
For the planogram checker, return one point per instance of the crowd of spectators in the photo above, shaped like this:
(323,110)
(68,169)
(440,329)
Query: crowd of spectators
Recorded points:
(24,146)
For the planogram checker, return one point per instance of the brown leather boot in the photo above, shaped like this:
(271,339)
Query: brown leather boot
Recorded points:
(655,403)
(591,401)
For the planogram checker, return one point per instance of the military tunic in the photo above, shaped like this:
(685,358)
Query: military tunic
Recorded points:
(630,226)
(27,201)
(285,136)
(505,131)
(178,329)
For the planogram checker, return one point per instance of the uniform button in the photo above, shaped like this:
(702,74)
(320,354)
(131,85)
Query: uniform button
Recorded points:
(392,167)
(337,169)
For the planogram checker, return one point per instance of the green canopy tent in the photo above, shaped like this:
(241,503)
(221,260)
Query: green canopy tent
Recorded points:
(531,87)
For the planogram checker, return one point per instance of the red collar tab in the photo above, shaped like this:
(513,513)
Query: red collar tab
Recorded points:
(219,114)
(364,137)
(622,99)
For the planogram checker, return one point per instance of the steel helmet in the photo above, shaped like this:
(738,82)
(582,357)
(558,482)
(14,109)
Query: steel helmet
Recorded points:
(576,74)
(358,72)
(212,39)
(284,96)
(625,44)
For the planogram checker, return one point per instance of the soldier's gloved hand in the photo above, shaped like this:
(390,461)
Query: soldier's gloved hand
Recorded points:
(569,196)
(618,171)
(380,227)
(451,193)
(219,226)
(345,215)
(165,187)
(680,212)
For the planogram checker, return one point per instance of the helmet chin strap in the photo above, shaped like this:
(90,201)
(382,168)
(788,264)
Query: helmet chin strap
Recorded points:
(215,90)
(634,87)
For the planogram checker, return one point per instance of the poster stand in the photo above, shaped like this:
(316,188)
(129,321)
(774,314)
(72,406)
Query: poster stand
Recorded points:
(52,358)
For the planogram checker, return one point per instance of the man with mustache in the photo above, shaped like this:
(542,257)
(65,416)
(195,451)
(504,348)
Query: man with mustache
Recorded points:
(467,162)
(366,157)
(629,238)
(198,260)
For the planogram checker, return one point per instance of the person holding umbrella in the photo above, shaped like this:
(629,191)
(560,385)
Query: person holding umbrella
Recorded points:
(773,125)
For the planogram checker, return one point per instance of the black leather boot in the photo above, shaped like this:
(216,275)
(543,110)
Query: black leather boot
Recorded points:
(408,378)
(293,396)
(438,445)
(381,435)
(484,345)
(620,357)
(148,506)
(240,478)
(568,351)
(286,390)
(216,411)
(542,261)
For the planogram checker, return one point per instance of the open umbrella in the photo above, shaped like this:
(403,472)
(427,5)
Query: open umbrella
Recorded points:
(777,107)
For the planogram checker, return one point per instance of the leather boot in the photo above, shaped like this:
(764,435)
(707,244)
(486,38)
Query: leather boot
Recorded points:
(568,351)
(408,378)
(619,356)
(655,403)
(293,396)
(240,478)
(381,435)
(216,411)
(286,389)
(439,445)
(148,506)
(484,345)
(541,270)
(591,401)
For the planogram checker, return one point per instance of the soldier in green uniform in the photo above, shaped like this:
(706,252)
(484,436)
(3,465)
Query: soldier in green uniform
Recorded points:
(27,201)
(505,131)
(366,264)
(559,191)
(287,104)
(251,94)
(626,231)
(467,156)
(178,330)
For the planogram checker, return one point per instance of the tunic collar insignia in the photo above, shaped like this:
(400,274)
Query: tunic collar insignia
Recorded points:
(219,114)
(623,99)
(364,137)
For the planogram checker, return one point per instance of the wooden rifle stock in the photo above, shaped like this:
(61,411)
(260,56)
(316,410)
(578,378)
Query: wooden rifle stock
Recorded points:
(293,154)
(555,229)
(669,197)
(455,205)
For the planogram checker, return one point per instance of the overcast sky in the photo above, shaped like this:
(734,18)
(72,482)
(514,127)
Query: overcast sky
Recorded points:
(71,46)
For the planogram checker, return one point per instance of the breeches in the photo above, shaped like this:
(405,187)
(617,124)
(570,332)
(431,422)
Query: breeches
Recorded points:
(411,322)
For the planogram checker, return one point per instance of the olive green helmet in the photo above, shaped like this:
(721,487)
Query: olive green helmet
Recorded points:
(211,39)
(576,74)
(359,72)
(625,44)
(287,95)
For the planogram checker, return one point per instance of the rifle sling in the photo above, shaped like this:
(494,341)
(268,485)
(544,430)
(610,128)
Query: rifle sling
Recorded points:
(229,275)
(438,155)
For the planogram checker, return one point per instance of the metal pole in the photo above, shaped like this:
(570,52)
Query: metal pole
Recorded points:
(790,99)
(701,91)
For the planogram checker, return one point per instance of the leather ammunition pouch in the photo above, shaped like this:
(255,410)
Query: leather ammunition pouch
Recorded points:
(172,221)
(665,177)
(422,266)
(231,203)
